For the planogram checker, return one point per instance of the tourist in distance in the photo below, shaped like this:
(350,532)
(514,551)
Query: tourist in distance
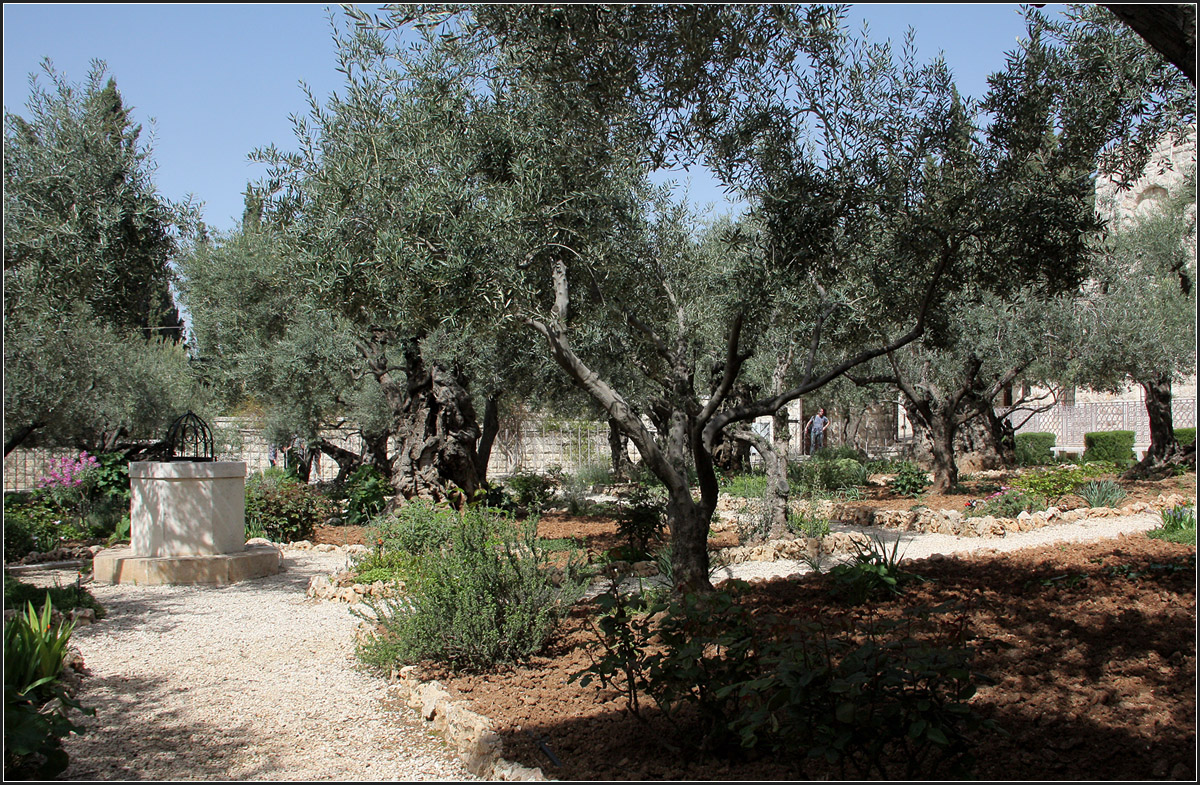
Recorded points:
(816,430)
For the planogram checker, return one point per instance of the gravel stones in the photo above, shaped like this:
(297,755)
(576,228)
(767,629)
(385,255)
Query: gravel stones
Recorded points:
(246,681)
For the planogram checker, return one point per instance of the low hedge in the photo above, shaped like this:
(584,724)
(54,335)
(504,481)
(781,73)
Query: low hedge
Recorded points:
(1035,449)
(1185,436)
(283,509)
(1115,446)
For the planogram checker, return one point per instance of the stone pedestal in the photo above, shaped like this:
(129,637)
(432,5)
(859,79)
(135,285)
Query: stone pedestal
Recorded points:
(187,525)
(185,508)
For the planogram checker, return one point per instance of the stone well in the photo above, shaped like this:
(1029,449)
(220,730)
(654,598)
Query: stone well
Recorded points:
(187,526)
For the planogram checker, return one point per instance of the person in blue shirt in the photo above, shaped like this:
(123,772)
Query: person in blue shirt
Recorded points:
(816,430)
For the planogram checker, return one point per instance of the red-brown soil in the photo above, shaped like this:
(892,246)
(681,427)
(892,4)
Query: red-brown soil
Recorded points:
(600,535)
(1086,655)
(1088,673)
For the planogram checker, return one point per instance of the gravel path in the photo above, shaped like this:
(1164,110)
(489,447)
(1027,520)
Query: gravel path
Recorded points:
(255,682)
(245,682)
(914,545)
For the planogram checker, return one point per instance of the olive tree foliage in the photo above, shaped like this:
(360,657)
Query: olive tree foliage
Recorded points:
(91,332)
(1168,27)
(1119,84)
(1101,59)
(515,194)
(261,344)
(832,152)
(1138,316)
(406,212)
(1082,92)
(953,392)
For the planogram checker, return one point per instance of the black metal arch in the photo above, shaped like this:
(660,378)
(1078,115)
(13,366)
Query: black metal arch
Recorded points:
(189,439)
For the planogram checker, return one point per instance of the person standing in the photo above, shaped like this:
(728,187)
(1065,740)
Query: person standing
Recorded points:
(816,430)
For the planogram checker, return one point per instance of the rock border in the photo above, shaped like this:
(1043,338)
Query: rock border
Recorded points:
(470,733)
(923,521)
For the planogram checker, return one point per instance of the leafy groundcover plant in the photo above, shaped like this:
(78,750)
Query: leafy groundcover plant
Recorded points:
(36,703)
(859,697)
(911,480)
(488,596)
(1178,525)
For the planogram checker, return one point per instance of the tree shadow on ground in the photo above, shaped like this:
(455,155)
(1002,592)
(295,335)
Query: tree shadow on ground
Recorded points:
(1086,656)
(132,738)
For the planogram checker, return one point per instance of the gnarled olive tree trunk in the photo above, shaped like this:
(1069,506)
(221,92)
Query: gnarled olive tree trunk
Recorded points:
(434,424)
(936,423)
(774,452)
(487,437)
(618,448)
(1164,452)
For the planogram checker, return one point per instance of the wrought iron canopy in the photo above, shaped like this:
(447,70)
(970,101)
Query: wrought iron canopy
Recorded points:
(189,439)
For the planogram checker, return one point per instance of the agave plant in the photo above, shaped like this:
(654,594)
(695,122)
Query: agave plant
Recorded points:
(34,651)
(873,570)
(1101,493)
(36,704)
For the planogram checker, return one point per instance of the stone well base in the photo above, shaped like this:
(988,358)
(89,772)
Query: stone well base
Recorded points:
(119,565)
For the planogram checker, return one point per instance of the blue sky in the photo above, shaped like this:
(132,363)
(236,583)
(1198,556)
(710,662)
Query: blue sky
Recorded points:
(222,80)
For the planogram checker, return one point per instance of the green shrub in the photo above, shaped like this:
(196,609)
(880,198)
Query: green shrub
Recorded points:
(1185,436)
(532,490)
(121,531)
(367,492)
(418,527)
(1115,446)
(1101,493)
(89,494)
(1051,484)
(36,704)
(383,565)
(282,509)
(1097,468)
(112,476)
(575,489)
(31,524)
(847,473)
(1005,503)
(595,476)
(834,474)
(885,465)
(1035,449)
(1178,525)
(487,598)
(807,524)
(494,496)
(641,517)
(750,485)
(911,480)
(839,453)
(854,695)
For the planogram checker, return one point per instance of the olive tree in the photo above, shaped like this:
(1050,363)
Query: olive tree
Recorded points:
(261,344)
(1138,315)
(476,181)
(1081,93)
(823,253)
(91,334)
(958,383)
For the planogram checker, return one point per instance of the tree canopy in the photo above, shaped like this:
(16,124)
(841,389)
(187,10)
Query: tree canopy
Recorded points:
(90,326)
